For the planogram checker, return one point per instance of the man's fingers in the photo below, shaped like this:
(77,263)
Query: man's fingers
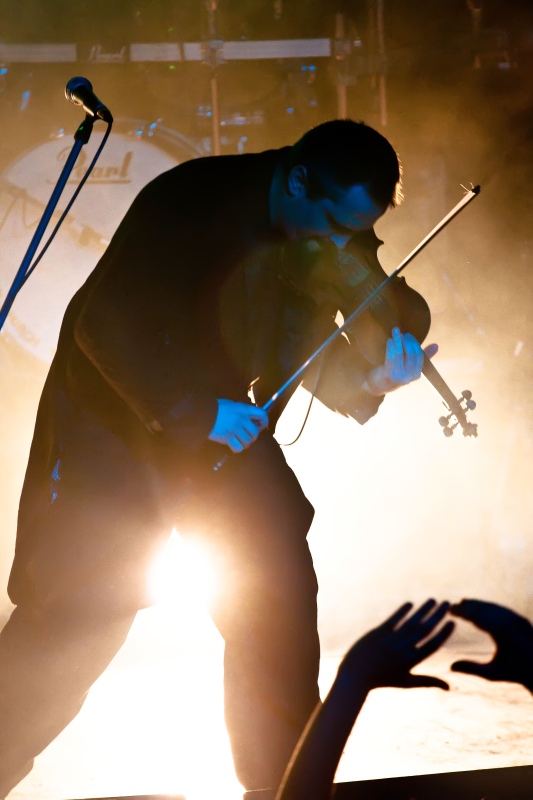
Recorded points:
(235,445)
(260,422)
(397,342)
(237,425)
(404,357)
(253,421)
(259,416)
(390,351)
(431,350)
(414,356)
(246,436)
(249,432)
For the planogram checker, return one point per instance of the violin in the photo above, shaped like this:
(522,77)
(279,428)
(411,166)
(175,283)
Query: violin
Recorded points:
(339,280)
(383,301)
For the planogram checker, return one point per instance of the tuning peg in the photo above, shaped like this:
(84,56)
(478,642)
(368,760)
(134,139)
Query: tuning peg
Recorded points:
(467,397)
(445,423)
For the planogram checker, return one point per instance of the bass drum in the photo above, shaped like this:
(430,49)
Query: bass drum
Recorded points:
(135,153)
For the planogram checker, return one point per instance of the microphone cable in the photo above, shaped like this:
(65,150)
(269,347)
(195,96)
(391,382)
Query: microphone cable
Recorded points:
(88,171)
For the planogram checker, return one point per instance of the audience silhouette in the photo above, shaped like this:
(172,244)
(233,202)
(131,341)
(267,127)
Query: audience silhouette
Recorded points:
(384,657)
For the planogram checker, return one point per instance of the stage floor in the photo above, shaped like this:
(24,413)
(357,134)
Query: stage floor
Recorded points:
(153,723)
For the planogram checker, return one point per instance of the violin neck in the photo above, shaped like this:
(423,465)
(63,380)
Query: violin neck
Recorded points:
(437,381)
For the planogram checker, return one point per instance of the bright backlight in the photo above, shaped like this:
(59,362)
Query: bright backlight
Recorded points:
(182,574)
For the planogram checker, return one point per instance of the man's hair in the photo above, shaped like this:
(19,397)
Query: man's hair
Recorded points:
(343,153)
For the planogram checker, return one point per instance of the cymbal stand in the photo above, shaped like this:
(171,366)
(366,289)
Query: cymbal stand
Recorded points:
(381,62)
(213,57)
(341,49)
(375,66)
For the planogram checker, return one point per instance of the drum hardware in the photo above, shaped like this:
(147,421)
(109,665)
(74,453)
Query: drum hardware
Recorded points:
(236,119)
(229,125)
(353,62)
(214,51)
(214,57)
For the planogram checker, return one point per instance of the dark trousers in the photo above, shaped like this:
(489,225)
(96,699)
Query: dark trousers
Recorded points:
(79,577)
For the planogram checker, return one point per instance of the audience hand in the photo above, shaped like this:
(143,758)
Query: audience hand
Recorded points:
(385,655)
(513,635)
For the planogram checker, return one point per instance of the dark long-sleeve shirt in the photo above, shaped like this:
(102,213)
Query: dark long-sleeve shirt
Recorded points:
(186,306)
(165,325)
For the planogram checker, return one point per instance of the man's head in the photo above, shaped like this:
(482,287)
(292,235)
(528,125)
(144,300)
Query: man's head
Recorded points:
(338,179)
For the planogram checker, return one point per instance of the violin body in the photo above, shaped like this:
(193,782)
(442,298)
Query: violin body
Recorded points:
(340,280)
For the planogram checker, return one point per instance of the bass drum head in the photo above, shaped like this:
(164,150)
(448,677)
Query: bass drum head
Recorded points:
(135,153)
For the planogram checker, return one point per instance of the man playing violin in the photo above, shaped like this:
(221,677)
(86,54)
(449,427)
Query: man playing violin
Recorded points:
(149,386)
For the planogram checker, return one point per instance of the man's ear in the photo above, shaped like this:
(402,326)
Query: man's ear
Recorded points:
(297,181)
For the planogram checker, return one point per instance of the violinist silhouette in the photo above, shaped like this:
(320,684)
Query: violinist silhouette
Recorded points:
(198,294)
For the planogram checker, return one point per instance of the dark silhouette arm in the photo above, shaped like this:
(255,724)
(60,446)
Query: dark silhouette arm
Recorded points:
(383,657)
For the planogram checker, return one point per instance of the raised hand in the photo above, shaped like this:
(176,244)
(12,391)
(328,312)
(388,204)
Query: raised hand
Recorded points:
(404,359)
(513,636)
(238,424)
(385,655)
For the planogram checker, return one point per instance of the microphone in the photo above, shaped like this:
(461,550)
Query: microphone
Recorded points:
(80,92)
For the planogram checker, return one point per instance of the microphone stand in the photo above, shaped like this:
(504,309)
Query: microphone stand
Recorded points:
(81,137)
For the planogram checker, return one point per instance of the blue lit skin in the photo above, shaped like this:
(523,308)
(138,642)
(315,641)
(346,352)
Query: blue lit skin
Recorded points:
(336,217)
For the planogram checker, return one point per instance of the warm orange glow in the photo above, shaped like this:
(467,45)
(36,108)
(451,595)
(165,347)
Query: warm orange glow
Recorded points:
(182,574)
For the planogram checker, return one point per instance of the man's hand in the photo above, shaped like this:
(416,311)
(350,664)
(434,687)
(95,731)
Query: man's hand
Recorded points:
(513,635)
(404,359)
(238,424)
(385,655)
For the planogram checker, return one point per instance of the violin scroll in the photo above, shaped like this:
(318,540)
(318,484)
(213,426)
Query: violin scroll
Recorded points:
(459,408)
